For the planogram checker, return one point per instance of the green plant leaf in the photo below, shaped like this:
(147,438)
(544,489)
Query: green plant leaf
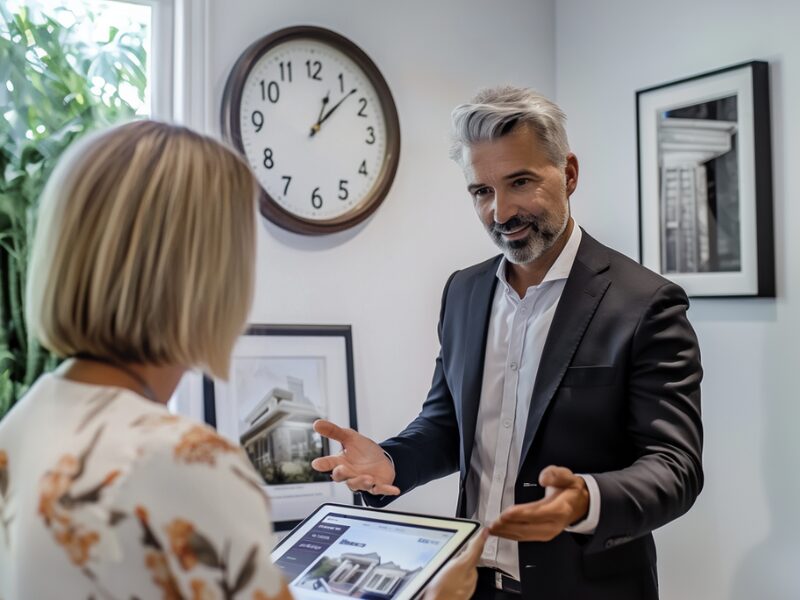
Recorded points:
(49,104)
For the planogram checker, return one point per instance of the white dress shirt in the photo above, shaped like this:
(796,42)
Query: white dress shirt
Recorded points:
(517,332)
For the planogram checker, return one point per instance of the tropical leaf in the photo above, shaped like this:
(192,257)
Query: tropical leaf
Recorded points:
(46,103)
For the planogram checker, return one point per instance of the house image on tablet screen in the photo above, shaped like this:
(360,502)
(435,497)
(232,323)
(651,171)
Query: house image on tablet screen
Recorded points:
(358,576)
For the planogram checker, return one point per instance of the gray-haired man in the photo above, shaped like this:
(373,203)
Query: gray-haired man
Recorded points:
(567,388)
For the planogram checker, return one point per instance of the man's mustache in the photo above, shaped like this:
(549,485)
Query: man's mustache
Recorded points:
(515,223)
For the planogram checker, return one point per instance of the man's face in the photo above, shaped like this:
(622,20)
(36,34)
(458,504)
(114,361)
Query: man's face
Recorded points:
(520,196)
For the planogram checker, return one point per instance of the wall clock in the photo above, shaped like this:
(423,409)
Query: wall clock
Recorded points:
(317,123)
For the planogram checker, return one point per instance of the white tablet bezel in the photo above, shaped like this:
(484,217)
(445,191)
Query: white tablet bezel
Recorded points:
(464,530)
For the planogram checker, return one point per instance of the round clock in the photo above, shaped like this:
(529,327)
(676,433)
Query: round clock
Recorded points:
(317,123)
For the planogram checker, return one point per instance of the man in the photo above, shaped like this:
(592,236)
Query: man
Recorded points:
(567,388)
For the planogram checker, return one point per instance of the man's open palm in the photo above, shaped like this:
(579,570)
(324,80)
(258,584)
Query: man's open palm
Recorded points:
(362,465)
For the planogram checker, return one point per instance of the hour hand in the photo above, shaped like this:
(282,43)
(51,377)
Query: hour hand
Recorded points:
(315,126)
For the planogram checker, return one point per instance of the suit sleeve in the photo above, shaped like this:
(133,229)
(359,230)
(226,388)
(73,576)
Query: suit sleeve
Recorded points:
(663,423)
(429,447)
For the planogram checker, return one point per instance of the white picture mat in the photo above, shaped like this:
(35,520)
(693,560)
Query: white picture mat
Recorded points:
(292,502)
(737,82)
(187,400)
(463,531)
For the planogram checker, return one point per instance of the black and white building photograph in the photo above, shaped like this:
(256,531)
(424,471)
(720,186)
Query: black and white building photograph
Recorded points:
(699,198)
(705,203)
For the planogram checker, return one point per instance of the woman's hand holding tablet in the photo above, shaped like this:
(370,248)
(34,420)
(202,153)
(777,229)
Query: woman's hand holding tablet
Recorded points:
(459,578)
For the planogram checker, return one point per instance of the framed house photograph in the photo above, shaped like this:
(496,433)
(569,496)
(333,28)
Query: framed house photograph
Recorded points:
(282,379)
(705,182)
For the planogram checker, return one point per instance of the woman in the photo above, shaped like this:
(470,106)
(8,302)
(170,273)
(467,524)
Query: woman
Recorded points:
(142,267)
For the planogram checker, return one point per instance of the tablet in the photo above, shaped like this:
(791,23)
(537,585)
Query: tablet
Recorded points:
(343,551)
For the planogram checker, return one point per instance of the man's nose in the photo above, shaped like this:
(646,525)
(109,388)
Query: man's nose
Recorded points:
(504,208)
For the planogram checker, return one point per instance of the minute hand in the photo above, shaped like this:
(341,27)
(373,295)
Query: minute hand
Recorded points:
(335,106)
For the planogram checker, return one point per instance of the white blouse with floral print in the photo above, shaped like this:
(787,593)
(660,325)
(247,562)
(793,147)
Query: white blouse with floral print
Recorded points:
(107,496)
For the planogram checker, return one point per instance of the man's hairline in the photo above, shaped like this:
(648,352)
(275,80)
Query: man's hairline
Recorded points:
(517,127)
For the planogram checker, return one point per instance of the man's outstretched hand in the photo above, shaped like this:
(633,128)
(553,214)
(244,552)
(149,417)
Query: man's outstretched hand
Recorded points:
(566,501)
(361,464)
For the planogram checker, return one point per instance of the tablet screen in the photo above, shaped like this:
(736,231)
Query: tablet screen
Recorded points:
(354,552)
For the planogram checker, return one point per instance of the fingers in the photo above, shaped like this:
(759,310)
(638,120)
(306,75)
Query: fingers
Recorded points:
(518,532)
(474,549)
(343,473)
(362,483)
(384,489)
(327,463)
(550,509)
(333,431)
(553,476)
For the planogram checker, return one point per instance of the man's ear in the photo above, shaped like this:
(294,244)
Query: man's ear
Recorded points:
(571,173)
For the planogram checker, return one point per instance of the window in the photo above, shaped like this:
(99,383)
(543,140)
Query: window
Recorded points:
(66,67)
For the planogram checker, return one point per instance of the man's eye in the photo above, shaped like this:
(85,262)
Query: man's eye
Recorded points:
(521,181)
(482,192)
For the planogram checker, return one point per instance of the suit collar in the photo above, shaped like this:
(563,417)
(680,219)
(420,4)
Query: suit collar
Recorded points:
(583,291)
(479,310)
(592,254)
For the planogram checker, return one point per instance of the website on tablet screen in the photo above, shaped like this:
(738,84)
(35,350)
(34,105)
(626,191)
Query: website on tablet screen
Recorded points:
(345,556)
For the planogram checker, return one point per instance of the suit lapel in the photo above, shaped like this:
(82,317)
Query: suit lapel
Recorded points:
(582,293)
(479,311)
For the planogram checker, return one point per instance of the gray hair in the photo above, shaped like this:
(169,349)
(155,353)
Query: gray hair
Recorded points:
(495,112)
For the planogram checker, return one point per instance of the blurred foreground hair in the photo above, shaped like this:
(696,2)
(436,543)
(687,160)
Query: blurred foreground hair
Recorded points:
(145,249)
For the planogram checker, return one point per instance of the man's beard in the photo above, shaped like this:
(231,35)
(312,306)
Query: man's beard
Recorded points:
(543,233)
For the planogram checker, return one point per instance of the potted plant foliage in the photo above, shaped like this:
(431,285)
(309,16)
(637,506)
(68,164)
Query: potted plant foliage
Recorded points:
(56,84)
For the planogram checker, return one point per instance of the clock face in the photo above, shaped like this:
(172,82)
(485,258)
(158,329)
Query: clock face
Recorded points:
(313,124)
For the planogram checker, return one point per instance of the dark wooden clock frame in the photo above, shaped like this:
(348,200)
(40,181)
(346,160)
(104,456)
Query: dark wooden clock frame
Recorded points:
(231,100)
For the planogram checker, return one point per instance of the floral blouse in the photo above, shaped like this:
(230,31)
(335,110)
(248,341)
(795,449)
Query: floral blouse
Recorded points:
(107,496)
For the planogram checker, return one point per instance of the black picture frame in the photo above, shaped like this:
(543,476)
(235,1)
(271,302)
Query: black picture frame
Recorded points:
(704,160)
(263,352)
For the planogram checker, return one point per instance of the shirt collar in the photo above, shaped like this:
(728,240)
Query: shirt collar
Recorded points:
(560,268)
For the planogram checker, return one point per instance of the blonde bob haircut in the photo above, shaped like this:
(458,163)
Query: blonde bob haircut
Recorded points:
(145,249)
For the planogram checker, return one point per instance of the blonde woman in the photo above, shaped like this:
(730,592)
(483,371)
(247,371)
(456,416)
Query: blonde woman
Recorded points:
(142,267)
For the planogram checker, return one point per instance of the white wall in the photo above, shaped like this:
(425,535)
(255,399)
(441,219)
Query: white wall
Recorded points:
(742,538)
(386,276)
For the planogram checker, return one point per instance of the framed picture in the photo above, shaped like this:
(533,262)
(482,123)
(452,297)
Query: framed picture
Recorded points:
(705,182)
(188,399)
(283,378)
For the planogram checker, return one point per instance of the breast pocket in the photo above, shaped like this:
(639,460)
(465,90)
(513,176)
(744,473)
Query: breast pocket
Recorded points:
(592,376)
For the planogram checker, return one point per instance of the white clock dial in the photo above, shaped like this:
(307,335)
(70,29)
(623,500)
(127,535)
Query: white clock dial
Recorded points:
(312,129)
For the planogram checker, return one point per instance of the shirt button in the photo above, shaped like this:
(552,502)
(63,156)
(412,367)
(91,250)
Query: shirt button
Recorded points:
(506,423)
(513,366)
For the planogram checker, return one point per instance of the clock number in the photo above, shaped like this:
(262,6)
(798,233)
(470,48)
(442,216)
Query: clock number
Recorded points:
(263,91)
(363,103)
(341,83)
(268,161)
(273,91)
(371,139)
(286,71)
(316,199)
(317,66)
(343,193)
(258,120)
(288,181)
(363,168)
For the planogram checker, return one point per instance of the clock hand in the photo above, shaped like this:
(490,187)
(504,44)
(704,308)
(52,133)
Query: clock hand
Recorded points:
(315,126)
(330,112)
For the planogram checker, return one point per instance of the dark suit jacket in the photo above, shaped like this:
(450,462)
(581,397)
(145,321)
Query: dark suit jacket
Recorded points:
(617,396)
